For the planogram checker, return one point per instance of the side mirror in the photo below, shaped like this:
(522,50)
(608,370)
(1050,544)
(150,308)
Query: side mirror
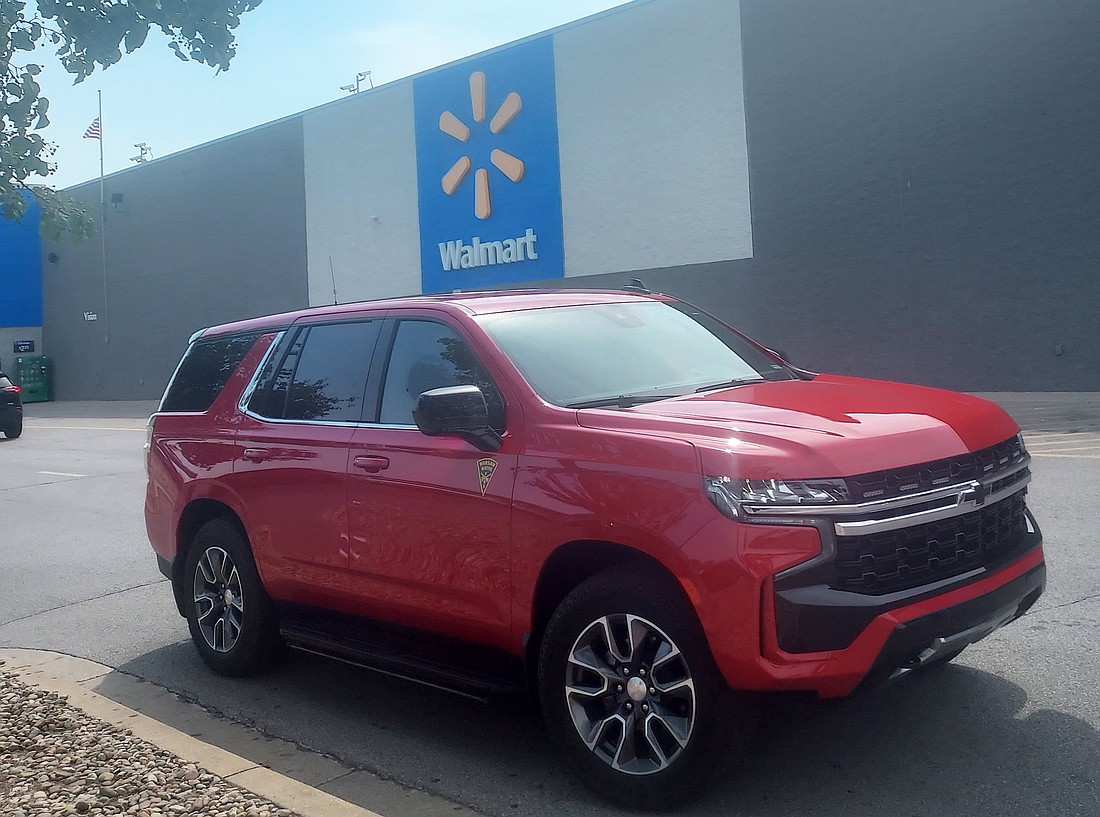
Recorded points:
(457,411)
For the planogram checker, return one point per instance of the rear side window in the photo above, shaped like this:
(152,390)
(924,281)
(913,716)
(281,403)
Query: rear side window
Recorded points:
(321,375)
(4,382)
(204,370)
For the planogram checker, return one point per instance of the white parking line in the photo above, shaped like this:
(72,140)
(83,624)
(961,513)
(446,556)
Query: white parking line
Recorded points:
(1085,446)
(52,427)
(1070,456)
(1095,447)
(60,474)
(1048,439)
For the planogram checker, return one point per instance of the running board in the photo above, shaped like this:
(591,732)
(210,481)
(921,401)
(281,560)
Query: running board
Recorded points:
(471,670)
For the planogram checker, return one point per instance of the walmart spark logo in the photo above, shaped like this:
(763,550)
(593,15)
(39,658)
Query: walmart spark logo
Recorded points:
(488,170)
(511,166)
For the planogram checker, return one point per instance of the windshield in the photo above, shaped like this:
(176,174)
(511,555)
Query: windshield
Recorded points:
(625,353)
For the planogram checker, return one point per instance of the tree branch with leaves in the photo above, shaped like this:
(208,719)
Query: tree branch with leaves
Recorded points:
(86,35)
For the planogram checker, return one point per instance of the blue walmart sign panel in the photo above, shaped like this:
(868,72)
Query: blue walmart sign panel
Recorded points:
(488,170)
(21,270)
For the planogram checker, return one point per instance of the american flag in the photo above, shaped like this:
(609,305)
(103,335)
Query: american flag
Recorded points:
(93,130)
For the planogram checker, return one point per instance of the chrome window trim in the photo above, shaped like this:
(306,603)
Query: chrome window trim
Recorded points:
(249,390)
(332,423)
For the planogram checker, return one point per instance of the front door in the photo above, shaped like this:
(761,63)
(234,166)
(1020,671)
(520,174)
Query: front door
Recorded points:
(430,515)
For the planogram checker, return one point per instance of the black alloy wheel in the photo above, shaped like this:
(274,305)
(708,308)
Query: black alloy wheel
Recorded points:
(630,690)
(232,620)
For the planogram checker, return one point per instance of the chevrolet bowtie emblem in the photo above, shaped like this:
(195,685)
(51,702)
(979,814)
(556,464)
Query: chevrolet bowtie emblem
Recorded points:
(975,492)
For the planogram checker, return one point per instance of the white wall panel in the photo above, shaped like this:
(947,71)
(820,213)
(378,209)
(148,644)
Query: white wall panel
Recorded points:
(361,198)
(651,122)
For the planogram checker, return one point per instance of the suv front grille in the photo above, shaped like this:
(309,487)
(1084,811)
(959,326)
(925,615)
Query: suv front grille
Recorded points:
(980,465)
(890,561)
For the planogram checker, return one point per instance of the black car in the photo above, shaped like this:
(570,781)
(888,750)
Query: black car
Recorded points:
(11,408)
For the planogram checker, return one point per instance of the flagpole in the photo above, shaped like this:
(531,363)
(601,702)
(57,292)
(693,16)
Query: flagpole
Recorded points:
(103,224)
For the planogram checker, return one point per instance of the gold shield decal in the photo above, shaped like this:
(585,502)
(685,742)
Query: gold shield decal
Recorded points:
(485,469)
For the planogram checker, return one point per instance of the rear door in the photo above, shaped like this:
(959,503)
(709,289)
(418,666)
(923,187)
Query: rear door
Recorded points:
(430,516)
(292,456)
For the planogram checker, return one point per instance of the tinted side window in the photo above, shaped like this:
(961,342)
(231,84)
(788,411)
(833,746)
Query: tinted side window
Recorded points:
(331,375)
(205,369)
(269,399)
(428,355)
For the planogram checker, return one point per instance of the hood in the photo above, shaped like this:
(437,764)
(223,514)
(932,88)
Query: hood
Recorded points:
(830,426)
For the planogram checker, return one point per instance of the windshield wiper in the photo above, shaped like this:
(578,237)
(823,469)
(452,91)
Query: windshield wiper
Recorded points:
(729,384)
(622,401)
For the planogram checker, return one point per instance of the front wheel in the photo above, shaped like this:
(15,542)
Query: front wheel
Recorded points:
(629,689)
(232,620)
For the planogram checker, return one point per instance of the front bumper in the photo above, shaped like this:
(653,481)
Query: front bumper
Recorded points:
(903,638)
(813,615)
(864,636)
(930,637)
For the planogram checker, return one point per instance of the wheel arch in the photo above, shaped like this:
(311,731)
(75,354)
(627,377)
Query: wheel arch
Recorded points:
(197,513)
(574,562)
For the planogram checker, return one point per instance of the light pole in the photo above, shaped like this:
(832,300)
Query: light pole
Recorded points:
(354,89)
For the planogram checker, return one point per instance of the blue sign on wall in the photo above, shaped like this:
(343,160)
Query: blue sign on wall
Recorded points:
(488,170)
(21,270)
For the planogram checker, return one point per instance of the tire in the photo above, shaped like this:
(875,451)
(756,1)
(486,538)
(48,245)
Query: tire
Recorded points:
(232,620)
(15,429)
(693,727)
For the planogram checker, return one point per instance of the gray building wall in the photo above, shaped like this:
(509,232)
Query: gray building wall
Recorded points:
(924,183)
(206,236)
(925,186)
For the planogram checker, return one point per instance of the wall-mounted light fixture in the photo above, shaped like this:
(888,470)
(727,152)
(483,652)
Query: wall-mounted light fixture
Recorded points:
(145,153)
(353,88)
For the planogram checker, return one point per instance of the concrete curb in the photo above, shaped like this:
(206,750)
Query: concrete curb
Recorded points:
(66,675)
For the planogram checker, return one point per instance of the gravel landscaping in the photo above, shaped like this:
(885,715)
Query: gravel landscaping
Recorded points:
(55,759)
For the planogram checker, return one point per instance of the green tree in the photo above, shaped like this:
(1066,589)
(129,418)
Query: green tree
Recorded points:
(86,34)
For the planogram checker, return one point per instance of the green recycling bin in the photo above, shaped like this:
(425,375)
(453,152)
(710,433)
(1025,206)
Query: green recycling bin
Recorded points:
(33,372)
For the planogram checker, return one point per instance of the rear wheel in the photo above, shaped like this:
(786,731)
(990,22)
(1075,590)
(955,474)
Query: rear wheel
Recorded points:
(630,690)
(14,428)
(232,621)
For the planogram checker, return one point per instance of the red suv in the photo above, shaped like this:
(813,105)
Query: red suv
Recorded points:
(612,497)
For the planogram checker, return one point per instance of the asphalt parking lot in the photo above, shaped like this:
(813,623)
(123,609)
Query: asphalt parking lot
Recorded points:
(1010,729)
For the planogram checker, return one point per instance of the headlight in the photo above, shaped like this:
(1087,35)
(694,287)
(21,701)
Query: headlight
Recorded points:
(728,495)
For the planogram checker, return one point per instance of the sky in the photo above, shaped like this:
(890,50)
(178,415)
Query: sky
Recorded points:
(290,58)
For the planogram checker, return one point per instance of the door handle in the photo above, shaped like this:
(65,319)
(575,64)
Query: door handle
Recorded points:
(256,454)
(371,465)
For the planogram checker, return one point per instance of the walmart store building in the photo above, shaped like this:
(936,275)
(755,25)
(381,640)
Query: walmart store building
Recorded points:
(900,190)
